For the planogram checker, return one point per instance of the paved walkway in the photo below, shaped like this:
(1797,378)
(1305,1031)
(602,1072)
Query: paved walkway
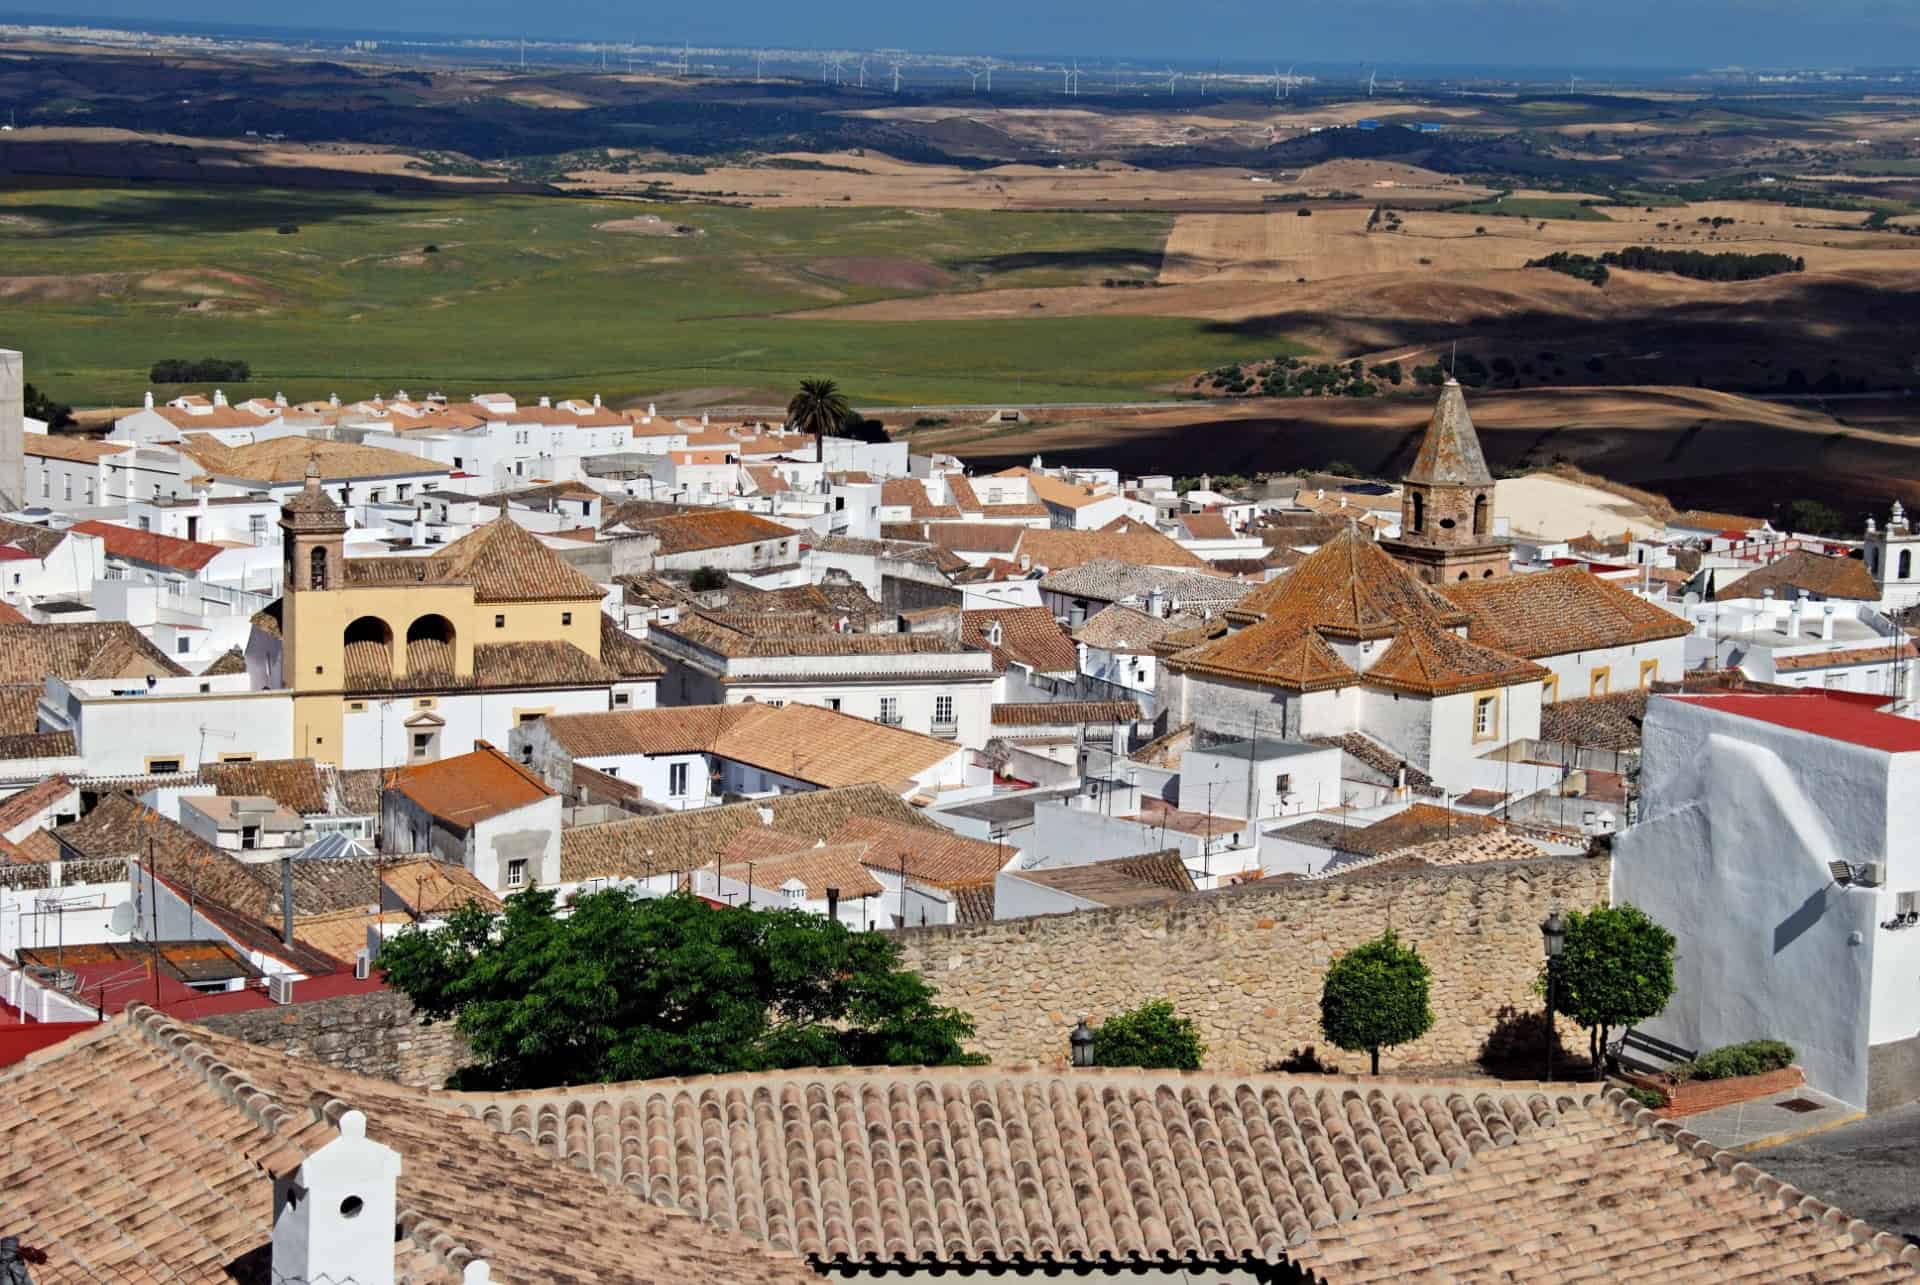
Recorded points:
(1867,1168)
(1764,1122)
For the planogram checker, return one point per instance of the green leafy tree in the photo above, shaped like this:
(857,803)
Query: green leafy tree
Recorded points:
(1616,969)
(42,407)
(1151,1035)
(705,578)
(628,988)
(1375,997)
(1813,517)
(819,407)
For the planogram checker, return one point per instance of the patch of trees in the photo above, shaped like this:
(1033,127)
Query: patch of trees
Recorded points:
(1698,265)
(626,988)
(1467,368)
(1582,267)
(1292,377)
(207,370)
(41,406)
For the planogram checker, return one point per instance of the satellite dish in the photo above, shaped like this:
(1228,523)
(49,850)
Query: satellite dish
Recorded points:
(121,922)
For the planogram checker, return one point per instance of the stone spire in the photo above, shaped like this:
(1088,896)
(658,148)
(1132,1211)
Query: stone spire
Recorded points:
(1450,452)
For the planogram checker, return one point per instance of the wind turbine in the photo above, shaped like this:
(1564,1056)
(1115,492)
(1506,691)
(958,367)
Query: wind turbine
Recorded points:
(976,81)
(989,75)
(1173,81)
(1290,67)
(759,65)
(1371,77)
(863,73)
(1571,78)
(684,64)
(1066,80)
(896,78)
(1276,82)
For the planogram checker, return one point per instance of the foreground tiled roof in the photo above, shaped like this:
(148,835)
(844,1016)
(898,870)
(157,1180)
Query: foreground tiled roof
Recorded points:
(1422,823)
(679,841)
(1143,547)
(1554,613)
(37,541)
(1429,661)
(30,802)
(428,887)
(1464,849)
(468,788)
(1821,576)
(1063,713)
(750,637)
(1344,1179)
(92,649)
(1028,635)
(145,1150)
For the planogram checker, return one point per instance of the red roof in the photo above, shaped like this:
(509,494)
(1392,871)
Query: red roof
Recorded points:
(1821,714)
(150,546)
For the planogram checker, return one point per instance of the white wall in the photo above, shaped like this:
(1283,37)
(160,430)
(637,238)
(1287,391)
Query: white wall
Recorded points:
(1739,821)
(122,736)
(377,736)
(651,774)
(1575,670)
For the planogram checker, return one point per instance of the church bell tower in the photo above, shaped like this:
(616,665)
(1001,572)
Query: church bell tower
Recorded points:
(1446,513)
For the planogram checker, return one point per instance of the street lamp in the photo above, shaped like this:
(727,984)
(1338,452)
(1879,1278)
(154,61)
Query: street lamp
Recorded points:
(1553,933)
(1081,1042)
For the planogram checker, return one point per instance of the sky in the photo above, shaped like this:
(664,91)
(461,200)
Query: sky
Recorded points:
(1529,33)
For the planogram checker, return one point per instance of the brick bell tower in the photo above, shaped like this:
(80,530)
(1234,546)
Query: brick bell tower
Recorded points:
(1446,514)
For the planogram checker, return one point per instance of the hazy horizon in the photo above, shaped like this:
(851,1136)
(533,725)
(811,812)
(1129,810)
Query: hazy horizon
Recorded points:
(1653,34)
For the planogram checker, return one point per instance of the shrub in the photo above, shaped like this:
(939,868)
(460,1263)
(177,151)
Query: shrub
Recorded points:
(1375,996)
(1615,970)
(1304,212)
(705,578)
(1755,1057)
(1303,1061)
(1150,1036)
(1647,1098)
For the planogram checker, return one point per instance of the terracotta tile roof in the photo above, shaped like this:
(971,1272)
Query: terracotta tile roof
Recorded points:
(1450,450)
(964,497)
(428,887)
(911,493)
(30,802)
(1063,713)
(624,654)
(230,661)
(1126,631)
(150,546)
(710,529)
(38,541)
(1386,762)
(468,788)
(1707,520)
(1884,654)
(280,460)
(77,450)
(506,563)
(1430,661)
(678,841)
(1061,550)
(766,479)
(1609,722)
(1028,635)
(974,537)
(1460,850)
(37,745)
(538,663)
(171,1178)
(728,638)
(973,903)
(1419,824)
(1348,588)
(669,729)
(359,790)
(11,615)
(94,649)
(760,843)
(1111,580)
(343,933)
(1341,1179)
(1273,653)
(1553,613)
(1821,576)
(833,865)
(20,709)
(1126,881)
(1206,526)
(932,855)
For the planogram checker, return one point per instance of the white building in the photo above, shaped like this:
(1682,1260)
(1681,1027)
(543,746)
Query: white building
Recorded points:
(480,810)
(1893,561)
(1750,804)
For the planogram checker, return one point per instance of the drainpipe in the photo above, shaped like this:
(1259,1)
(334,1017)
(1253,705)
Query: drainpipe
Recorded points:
(286,901)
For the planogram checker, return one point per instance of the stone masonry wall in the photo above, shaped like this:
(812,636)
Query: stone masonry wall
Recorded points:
(376,1034)
(1246,964)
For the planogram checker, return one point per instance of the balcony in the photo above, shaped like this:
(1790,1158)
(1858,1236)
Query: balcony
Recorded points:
(888,720)
(946,730)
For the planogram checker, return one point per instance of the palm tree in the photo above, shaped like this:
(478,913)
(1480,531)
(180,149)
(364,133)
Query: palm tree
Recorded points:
(819,407)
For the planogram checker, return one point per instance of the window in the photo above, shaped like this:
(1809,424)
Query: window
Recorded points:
(257,527)
(622,699)
(249,837)
(500,621)
(402,489)
(676,780)
(943,710)
(833,703)
(1482,515)
(356,707)
(517,873)
(236,758)
(1649,673)
(566,617)
(1486,713)
(160,767)
(530,718)
(424,743)
(424,702)
(1419,511)
(146,523)
(1597,681)
(890,709)
(317,569)
(66,488)
(46,482)
(1283,783)
(1906,564)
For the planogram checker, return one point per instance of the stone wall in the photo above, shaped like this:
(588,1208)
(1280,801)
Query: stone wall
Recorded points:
(376,1033)
(1246,963)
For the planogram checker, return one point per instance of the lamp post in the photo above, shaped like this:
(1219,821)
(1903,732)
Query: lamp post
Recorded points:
(1081,1043)
(1553,933)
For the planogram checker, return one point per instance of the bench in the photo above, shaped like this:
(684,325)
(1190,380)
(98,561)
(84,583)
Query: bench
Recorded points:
(1638,1051)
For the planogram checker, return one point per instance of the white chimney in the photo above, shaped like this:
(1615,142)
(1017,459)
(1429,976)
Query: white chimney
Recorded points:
(546,401)
(1826,622)
(280,399)
(333,400)
(766,815)
(419,528)
(149,401)
(219,398)
(1793,617)
(596,401)
(705,419)
(333,1216)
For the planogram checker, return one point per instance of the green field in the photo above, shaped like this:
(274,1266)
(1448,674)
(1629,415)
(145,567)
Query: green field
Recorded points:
(525,294)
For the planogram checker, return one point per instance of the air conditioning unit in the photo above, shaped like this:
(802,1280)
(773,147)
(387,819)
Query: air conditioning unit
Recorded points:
(1870,874)
(362,966)
(280,988)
